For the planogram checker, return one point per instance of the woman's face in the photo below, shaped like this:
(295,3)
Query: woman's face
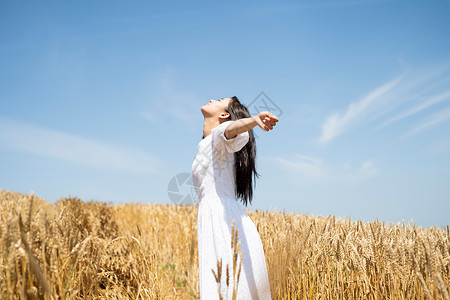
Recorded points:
(215,107)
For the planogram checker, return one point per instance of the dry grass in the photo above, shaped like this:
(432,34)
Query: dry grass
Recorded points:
(86,250)
(237,256)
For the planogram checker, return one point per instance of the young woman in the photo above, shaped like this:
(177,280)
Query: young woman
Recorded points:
(222,174)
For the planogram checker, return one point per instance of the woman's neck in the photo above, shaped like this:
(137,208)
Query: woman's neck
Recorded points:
(208,125)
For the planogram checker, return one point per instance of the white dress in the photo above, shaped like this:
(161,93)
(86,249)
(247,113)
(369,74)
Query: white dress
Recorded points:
(213,179)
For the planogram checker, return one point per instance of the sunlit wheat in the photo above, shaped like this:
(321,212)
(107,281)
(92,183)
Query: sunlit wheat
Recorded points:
(91,250)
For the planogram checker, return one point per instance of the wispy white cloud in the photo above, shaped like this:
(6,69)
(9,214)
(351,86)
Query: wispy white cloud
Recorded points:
(431,86)
(337,123)
(148,116)
(317,170)
(366,170)
(412,86)
(23,137)
(309,166)
(418,108)
(429,122)
(167,103)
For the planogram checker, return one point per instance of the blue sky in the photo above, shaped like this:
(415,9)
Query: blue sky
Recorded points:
(101,100)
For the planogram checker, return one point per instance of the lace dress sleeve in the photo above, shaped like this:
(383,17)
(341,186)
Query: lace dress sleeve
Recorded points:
(219,141)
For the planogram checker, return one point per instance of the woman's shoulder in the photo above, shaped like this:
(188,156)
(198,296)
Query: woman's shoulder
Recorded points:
(223,125)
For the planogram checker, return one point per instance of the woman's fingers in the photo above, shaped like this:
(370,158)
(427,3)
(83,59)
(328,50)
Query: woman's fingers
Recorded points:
(273,118)
(268,120)
(273,123)
(268,124)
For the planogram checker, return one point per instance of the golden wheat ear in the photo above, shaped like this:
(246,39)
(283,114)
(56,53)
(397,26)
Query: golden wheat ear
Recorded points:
(218,276)
(235,246)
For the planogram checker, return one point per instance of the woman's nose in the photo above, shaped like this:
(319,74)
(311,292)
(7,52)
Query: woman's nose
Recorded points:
(211,100)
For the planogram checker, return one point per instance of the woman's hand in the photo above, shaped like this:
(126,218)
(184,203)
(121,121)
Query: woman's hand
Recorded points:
(266,120)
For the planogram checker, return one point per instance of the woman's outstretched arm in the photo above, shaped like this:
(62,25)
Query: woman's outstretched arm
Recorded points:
(265,119)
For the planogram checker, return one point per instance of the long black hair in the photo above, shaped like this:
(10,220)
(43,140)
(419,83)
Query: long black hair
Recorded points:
(244,162)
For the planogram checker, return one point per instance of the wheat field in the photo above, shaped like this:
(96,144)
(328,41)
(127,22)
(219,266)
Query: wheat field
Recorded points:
(92,250)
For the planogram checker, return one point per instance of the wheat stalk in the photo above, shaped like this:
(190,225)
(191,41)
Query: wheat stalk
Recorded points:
(92,250)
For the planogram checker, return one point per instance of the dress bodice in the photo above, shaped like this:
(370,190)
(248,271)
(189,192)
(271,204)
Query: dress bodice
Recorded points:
(213,167)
